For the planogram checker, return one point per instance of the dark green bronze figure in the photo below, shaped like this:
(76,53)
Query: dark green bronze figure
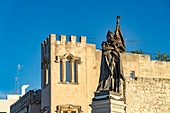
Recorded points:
(111,66)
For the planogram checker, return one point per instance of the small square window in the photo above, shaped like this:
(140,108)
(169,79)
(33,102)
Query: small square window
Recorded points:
(132,75)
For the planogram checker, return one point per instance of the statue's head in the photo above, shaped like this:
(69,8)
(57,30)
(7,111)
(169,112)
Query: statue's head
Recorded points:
(110,35)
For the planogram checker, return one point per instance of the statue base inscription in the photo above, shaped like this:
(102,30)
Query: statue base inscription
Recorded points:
(107,102)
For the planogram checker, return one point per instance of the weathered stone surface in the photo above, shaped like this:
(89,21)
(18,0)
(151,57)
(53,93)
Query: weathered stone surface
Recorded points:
(147,95)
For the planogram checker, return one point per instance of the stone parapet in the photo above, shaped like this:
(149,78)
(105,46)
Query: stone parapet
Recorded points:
(29,98)
(62,40)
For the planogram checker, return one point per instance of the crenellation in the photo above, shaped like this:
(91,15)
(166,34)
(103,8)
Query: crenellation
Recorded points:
(42,51)
(52,36)
(62,39)
(52,40)
(45,42)
(73,39)
(45,47)
(42,44)
(83,39)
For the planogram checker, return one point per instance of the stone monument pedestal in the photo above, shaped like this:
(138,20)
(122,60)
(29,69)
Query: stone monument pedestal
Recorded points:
(107,102)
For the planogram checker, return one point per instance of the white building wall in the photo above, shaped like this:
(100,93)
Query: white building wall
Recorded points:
(6,103)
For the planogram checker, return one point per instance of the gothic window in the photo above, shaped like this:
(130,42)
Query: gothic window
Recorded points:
(68,70)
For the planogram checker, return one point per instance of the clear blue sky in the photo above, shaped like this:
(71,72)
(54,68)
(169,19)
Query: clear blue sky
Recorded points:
(24,24)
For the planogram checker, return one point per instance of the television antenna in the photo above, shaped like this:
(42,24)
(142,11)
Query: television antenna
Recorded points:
(17,79)
(133,41)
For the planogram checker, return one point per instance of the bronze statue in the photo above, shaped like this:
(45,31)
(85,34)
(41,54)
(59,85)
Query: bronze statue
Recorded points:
(111,66)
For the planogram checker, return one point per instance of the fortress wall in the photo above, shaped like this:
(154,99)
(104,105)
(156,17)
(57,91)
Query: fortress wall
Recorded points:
(149,91)
(144,67)
(147,95)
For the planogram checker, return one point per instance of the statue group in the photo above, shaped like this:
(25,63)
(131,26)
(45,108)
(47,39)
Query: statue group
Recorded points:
(111,72)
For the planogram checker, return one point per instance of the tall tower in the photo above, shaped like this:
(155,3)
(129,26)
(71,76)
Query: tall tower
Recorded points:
(65,79)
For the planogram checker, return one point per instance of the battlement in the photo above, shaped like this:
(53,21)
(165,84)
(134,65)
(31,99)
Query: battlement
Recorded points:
(52,42)
(68,39)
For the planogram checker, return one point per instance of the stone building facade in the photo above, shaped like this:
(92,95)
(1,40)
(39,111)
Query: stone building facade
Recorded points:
(70,74)
(6,103)
(58,89)
(148,95)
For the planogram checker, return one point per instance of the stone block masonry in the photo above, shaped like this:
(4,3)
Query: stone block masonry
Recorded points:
(147,95)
